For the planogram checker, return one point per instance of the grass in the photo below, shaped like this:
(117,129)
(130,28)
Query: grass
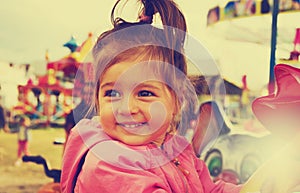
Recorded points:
(28,177)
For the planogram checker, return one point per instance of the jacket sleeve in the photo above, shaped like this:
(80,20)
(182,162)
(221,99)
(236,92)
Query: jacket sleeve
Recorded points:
(211,187)
(99,176)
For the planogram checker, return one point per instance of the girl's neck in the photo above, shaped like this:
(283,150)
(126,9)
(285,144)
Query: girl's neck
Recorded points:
(161,140)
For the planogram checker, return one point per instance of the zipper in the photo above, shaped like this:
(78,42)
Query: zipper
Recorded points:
(177,163)
(183,173)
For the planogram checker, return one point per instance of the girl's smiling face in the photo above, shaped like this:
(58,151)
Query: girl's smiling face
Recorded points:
(135,105)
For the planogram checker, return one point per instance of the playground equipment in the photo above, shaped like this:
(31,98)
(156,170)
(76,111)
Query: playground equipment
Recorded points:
(48,99)
(245,28)
(231,154)
(51,187)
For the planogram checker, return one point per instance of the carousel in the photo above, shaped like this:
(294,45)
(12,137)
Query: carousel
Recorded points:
(49,98)
(244,29)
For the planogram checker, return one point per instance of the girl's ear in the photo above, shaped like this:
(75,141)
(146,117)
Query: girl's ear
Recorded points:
(177,112)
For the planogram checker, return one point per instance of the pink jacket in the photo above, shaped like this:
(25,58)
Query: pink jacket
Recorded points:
(93,162)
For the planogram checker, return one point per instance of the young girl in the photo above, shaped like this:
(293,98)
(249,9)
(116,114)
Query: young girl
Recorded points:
(23,138)
(141,96)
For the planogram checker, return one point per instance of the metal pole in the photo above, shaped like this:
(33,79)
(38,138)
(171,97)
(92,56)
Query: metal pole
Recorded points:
(275,11)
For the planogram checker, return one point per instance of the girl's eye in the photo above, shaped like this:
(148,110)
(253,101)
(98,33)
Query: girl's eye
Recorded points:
(145,93)
(112,93)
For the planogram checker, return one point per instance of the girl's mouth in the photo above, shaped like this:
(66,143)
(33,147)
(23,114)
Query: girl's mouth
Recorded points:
(136,128)
(142,128)
(131,125)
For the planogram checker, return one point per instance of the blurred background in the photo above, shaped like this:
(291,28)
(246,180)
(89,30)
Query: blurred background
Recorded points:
(44,44)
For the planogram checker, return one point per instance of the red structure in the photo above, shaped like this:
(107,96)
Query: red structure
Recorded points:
(48,99)
(294,54)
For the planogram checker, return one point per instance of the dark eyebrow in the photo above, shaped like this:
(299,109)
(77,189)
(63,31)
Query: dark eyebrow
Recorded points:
(106,84)
(149,85)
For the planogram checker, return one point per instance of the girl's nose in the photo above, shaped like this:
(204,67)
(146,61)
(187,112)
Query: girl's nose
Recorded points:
(127,106)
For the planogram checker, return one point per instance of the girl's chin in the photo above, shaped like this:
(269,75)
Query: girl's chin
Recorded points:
(134,140)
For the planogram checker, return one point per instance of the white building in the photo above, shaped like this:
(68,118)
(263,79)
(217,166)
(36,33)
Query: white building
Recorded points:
(10,77)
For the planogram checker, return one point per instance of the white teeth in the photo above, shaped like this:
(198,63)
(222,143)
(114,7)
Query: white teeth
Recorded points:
(131,125)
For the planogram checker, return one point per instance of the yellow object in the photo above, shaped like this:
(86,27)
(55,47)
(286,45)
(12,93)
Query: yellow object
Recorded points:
(280,174)
(47,56)
(254,184)
(85,48)
(51,187)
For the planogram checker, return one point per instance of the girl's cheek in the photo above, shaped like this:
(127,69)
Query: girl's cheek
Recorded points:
(104,110)
(158,115)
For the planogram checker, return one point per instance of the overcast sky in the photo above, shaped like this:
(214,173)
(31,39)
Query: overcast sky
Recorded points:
(30,27)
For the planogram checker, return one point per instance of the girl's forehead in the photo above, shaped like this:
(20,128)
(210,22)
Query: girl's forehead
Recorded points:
(133,72)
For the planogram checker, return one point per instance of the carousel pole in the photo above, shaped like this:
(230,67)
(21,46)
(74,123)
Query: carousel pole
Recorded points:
(271,86)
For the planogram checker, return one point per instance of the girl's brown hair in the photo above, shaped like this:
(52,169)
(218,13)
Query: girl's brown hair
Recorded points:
(141,41)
